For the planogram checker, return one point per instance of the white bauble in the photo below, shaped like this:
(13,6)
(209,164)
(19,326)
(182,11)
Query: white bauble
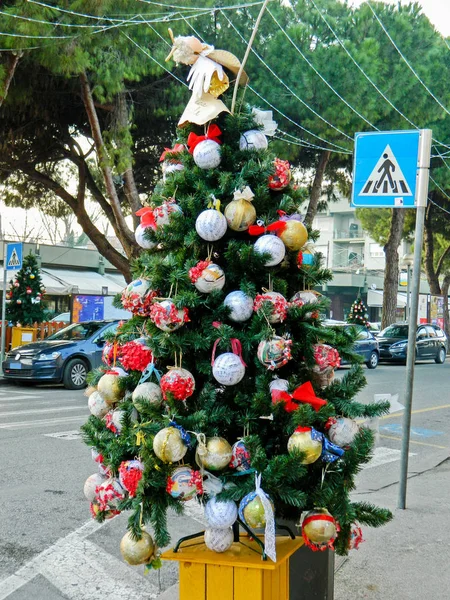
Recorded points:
(162,213)
(218,539)
(142,241)
(97,405)
(211,225)
(165,321)
(110,492)
(146,393)
(343,432)
(211,279)
(228,369)
(207,154)
(281,385)
(220,513)
(273,245)
(253,140)
(118,415)
(91,484)
(169,167)
(241,306)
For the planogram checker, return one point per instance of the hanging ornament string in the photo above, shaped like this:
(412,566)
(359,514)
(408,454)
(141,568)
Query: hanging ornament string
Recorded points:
(236,348)
(149,370)
(269,532)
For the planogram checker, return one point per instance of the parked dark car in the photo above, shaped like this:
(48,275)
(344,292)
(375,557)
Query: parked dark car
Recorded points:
(366,344)
(431,343)
(64,357)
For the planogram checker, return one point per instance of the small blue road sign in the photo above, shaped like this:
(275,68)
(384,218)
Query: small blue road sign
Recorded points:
(14,254)
(385,169)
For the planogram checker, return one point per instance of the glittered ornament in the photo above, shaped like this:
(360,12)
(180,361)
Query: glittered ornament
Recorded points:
(220,513)
(207,277)
(97,405)
(177,382)
(305,258)
(109,388)
(294,235)
(32,275)
(319,529)
(273,246)
(218,539)
(307,441)
(137,551)
(253,140)
(240,305)
(282,176)
(91,484)
(240,457)
(145,395)
(167,317)
(240,212)
(130,474)
(214,454)
(211,225)
(277,304)
(251,510)
(168,445)
(342,431)
(275,352)
(138,296)
(184,483)
(228,369)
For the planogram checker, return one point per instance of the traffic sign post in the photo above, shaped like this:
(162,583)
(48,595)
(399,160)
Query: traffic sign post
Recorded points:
(12,261)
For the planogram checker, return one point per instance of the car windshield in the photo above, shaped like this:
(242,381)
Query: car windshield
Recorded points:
(77,331)
(395,331)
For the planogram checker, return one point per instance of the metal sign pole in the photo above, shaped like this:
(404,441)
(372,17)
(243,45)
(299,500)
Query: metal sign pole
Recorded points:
(5,279)
(423,170)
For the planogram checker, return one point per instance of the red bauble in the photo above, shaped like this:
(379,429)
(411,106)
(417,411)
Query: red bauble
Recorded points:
(179,383)
(282,176)
(130,474)
(29,290)
(135,356)
(16,284)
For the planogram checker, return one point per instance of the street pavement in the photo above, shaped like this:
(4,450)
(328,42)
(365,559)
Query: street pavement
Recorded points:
(51,550)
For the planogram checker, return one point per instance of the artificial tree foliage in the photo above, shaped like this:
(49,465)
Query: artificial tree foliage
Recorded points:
(24,297)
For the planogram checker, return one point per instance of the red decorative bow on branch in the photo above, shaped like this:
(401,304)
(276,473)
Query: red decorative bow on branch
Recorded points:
(303,393)
(278,226)
(212,133)
(175,150)
(147,217)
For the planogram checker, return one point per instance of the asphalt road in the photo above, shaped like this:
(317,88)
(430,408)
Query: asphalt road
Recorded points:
(49,549)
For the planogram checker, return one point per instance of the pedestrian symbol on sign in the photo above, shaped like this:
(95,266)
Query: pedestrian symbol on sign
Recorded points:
(14,260)
(386,178)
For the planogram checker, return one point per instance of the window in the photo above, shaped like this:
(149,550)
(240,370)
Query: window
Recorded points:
(431,331)
(439,332)
(376,251)
(422,334)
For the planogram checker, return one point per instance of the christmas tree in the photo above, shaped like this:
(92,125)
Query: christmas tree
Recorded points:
(358,313)
(220,387)
(24,297)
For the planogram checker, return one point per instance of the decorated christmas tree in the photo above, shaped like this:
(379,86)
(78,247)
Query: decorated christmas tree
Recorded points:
(358,313)
(24,297)
(221,387)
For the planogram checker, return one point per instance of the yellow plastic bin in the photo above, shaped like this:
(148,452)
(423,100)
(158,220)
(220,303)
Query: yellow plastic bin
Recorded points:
(22,336)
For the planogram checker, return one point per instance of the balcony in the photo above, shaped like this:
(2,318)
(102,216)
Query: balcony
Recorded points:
(350,261)
(353,232)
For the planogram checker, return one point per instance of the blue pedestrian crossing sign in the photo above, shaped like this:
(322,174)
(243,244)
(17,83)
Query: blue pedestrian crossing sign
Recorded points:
(385,169)
(14,254)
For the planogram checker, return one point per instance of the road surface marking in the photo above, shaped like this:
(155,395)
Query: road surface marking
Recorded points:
(417,411)
(40,423)
(65,435)
(397,439)
(383,455)
(397,428)
(36,402)
(38,411)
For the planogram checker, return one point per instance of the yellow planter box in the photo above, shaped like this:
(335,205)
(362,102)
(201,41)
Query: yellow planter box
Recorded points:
(237,574)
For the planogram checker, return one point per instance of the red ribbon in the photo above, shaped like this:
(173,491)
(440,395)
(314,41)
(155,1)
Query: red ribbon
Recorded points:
(147,217)
(304,393)
(175,150)
(212,133)
(236,348)
(278,226)
(318,518)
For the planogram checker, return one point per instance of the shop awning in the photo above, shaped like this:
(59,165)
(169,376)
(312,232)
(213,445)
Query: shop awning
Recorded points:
(375,298)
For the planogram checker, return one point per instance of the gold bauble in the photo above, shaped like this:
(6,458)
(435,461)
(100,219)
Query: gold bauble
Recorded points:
(240,214)
(215,455)
(317,530)
(137,552)
(254,514)
(108,387)
(168,445)
(303,442)
(295,235)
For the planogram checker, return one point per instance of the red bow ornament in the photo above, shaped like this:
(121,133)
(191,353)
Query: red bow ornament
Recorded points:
(303,394)
(212,133)
(175,150)
(147,217)
(278,226)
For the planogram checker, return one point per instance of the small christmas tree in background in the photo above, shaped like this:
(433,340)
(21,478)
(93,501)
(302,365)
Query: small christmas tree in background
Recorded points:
(24,297)
(358,313)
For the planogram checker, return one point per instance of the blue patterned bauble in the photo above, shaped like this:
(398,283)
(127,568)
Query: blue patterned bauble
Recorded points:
(240,457)
(251,510)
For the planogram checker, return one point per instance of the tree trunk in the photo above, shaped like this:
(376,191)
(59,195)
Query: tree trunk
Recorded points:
(430,271)
(390,290)
(12,62)
(316,189)
(126,236)
(445,286)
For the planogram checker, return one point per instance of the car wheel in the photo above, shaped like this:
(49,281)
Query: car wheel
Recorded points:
(440,358)
(372,363)
(75,374)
